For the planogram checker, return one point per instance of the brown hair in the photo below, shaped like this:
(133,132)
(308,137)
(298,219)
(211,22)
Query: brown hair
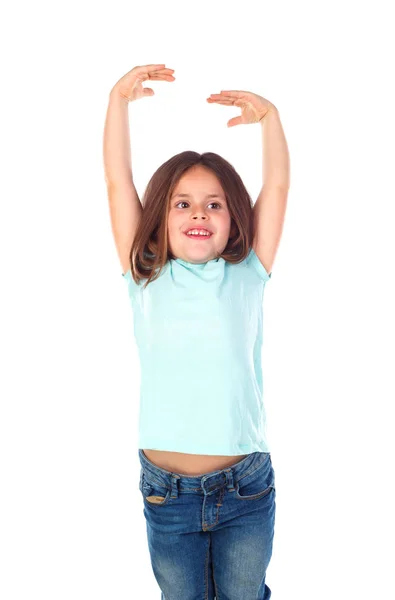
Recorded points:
(150,251)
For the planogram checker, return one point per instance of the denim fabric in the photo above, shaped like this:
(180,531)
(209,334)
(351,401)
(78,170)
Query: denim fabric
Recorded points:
(210,536)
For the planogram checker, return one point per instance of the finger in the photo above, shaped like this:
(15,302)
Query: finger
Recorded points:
(165,70)
(235,93)
(161,77)
(161,73)
(150,67)
(218,98)
(155,68)
(225,101)
(225,97)
(156,75)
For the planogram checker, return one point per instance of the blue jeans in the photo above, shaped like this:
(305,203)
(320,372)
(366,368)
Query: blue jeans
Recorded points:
(211,536)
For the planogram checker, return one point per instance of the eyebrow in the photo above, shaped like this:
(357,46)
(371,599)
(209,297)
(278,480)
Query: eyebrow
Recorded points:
(189,195)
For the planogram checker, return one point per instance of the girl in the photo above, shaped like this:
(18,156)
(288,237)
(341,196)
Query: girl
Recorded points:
(196,255)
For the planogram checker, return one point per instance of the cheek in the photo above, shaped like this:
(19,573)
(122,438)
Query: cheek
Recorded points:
(170,224)
(225,223)
(173,221)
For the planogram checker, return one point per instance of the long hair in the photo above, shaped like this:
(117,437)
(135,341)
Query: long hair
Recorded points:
(150,251)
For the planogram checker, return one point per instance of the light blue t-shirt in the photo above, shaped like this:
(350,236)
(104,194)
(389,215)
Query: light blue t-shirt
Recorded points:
(199,332)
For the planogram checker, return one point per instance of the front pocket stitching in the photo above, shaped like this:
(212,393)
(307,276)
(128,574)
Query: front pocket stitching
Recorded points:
(254,496)
(165,500)
(147,490)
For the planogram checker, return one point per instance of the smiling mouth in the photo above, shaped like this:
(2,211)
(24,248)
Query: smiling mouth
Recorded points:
(199,236)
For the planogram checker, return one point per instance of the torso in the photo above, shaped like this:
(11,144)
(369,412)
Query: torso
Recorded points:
(191,464)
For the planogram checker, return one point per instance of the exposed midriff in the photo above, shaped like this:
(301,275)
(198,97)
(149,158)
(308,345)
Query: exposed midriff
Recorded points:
(191,464)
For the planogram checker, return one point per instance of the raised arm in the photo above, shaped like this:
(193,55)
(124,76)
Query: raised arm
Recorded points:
(269,209)
(124,203)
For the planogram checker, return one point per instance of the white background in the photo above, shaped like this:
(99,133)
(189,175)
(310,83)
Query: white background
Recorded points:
(71,514)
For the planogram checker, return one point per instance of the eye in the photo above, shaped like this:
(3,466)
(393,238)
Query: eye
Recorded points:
(183,202)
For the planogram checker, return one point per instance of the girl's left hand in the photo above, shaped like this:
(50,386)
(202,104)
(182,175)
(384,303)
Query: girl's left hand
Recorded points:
(253,107)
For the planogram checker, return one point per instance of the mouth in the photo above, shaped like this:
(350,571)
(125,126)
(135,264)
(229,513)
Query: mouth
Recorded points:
(200,234)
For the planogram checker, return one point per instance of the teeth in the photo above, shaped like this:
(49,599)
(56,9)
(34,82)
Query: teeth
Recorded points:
(196,232)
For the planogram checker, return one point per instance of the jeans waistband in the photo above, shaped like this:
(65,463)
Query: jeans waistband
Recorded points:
(231,474)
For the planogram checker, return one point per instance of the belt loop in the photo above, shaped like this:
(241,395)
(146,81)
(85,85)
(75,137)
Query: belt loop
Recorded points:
(229,479)
(174,485)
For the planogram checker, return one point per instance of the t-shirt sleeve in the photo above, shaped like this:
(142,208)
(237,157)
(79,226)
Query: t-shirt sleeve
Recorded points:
(253,261)
(132,285)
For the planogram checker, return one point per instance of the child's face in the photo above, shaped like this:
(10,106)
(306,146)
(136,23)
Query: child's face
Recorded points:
(198,210)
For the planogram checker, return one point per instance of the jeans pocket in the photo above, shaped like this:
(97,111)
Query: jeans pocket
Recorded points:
(257,484)
(153,491)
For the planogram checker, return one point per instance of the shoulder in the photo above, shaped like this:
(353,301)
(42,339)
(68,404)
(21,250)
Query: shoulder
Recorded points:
(256,262)
(133,287)
(253,262)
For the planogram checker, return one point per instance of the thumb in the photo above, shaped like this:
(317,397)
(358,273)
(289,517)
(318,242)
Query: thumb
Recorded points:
(148,92)
(234,121)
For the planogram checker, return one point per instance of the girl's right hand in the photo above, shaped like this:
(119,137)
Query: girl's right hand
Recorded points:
(130,85)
